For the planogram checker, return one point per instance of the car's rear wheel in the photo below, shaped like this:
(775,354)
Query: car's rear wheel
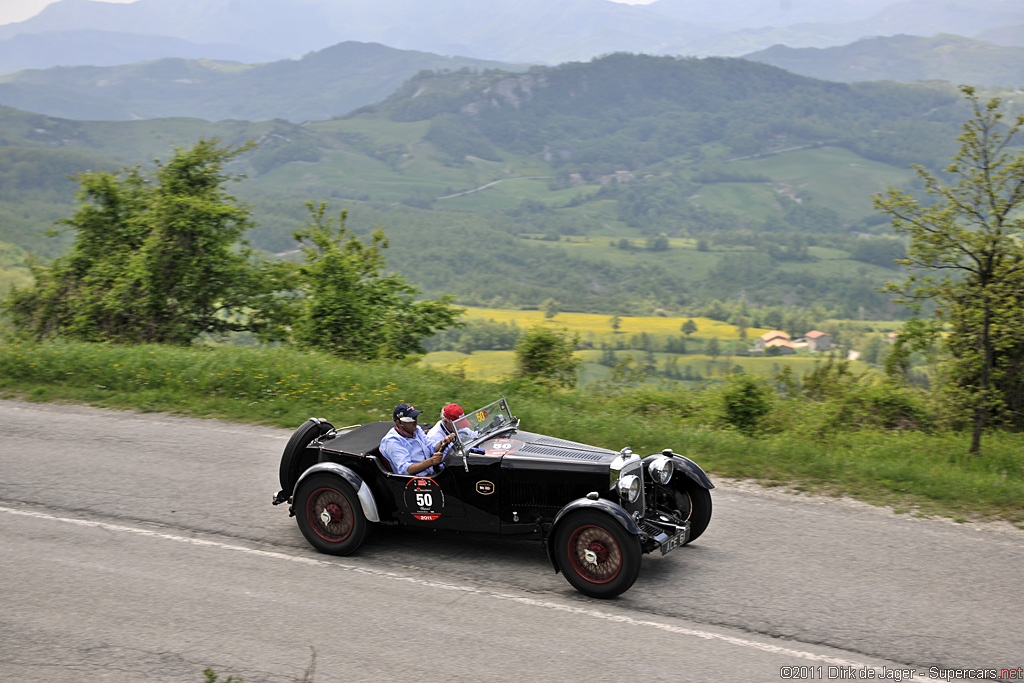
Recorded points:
(596,554)
(329,514)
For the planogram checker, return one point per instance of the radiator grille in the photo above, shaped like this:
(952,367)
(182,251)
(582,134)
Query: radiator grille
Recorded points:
(545,495)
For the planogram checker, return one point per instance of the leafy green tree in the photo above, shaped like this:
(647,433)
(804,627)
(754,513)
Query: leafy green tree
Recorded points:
(616,322)
(741,323)
(675,345)
(349,306)
(967,257)
(747,401)
(156,258)
(550,308)
(657,243)
(688,327)
(546,356)
(713,348)
(475,335)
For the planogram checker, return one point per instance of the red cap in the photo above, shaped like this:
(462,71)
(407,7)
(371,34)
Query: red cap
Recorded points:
(452,411)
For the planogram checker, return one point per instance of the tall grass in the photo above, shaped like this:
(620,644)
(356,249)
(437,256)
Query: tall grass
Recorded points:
(818,446)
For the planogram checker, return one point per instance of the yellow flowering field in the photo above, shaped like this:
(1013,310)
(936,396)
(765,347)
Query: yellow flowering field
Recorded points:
(495,365)
(592,325)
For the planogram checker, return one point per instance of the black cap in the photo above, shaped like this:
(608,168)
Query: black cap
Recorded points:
(406,410)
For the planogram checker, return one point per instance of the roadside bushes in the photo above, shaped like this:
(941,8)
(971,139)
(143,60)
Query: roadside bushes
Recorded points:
(825,400)
(746,402)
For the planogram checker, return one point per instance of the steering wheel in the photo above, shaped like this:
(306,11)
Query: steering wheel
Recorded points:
(454,446)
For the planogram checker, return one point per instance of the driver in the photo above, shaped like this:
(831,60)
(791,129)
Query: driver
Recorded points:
(450,422)
(406,446)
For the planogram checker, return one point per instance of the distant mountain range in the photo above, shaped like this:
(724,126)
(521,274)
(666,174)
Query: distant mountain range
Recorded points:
(903,58)
(108,48)
(540,31)
(321,85)
(337,80)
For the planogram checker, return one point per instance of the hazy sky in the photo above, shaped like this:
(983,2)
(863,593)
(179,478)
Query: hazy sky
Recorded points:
(20,10)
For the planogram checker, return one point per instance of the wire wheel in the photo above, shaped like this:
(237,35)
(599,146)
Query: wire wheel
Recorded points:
(594,554)
(330,515)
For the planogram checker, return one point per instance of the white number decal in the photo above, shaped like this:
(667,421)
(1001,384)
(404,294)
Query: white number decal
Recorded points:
(424,500)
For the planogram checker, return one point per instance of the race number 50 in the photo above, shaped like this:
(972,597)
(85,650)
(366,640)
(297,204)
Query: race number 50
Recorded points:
(424,499)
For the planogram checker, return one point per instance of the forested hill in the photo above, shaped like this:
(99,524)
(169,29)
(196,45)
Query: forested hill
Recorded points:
(626,111)
(322,84)
(628,183)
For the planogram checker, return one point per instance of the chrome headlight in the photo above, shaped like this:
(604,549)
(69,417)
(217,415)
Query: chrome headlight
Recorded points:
(661,469)
(629,487)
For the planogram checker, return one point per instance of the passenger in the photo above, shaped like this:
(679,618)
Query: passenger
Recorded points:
(449,423)
(406,446)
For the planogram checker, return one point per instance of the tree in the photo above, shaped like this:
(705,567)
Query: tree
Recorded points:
(741,323)
(550,308)
(713,348)
(967,258)
(657,243)
(349,306)
(688,327)
(546,356)
(157,258)
(746,401)
(616,322)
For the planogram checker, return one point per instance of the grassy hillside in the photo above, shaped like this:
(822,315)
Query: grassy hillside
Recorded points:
(841,447)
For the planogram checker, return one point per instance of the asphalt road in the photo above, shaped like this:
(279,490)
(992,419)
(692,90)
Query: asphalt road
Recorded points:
(143,547)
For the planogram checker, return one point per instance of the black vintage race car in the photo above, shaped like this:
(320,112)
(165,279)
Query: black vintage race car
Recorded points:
(596,511)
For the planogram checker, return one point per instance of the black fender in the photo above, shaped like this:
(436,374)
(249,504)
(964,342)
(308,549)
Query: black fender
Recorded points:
(365,495)
(613,509)
(295,458)
(686,466)
(692,470)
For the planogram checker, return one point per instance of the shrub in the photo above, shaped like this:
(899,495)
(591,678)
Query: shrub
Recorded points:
(747,401)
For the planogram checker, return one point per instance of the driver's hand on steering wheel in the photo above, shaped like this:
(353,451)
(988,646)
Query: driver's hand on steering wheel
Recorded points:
(441,446)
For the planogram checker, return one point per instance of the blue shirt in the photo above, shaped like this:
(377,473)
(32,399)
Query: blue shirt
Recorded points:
(402,451)
(437,433)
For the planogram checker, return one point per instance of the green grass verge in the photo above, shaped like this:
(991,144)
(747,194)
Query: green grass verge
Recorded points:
(927,473)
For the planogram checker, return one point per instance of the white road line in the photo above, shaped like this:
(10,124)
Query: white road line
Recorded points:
(533,602)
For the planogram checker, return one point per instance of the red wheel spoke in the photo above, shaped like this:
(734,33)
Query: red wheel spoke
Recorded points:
(330,515)
(595,555)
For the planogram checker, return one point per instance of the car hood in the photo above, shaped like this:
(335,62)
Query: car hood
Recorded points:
(528,450)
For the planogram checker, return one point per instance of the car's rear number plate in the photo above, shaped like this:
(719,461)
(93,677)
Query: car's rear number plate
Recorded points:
(675,541)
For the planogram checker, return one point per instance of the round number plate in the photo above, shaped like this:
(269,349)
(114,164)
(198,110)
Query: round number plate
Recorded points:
(424,499)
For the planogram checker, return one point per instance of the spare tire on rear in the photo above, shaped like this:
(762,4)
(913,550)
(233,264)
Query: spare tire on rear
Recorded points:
(296,459)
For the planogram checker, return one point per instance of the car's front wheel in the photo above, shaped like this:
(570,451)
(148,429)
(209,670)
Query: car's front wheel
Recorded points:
(596,554)
(329,514)
(694,506)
